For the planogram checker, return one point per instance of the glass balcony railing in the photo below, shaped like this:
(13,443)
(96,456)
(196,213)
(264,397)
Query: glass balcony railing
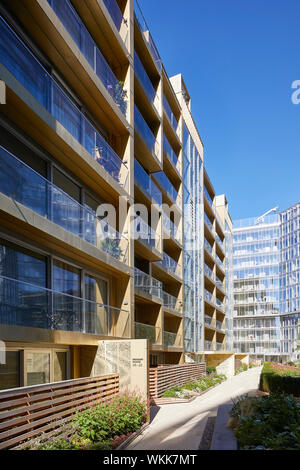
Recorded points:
(24,66)
(145,80)
(167,186)
(170,264)
(170,153)
(146,234)
(25,186)
(209,321)
(24,304)
(219,241)
(172,339)
(208,246)
(208,271)
(208,345)
(170,228)
(144,181)
(143,331)
(170,301)
(145,133)
(220,304)
(143,27)
(220,347)
(219,283)
(87,46)
(208,222)
(208,197)
(170,114)
(219,325)
(147,283)
(219,263)
(117,17)
(208,296)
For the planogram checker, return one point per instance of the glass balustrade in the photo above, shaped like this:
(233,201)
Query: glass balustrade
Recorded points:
(147,283)
(143,27)
(208,246)
(23,65)
(145,133)
(208,320)
(208,345)
(143,331)
(144,79)
(144,181)
(219,241)
(145,233)
(170,301)
(170,153)
(208,296)
(168,187)
(170,264)
(25,186)
(170,228)
(208,271)
(170,114)
(219,263)
(220,347)
(219,325)
(220,304)
(172,339)
(117,17)
(24,304)
(87,46)
(208,222)
(219,283)
(208,197)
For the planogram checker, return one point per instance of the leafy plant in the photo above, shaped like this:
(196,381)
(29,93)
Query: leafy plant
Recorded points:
(210,370)
(279,378)
(120,96)
(111,246)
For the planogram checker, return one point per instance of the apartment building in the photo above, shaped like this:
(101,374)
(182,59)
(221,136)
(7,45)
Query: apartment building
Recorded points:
(102,190)
(266,286)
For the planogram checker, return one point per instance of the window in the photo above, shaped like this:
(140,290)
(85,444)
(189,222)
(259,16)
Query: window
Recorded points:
(98,315)
(37,368)
(10,371)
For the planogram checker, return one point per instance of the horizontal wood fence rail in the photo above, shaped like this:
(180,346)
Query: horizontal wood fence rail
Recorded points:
(47,410)
(163,377)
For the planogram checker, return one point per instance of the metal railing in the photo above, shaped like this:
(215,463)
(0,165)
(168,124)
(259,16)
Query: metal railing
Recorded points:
(25,186)
(144,180)
(147,283)
(25,304)
(25,67)
(145,133)
(143,331)
(87,46)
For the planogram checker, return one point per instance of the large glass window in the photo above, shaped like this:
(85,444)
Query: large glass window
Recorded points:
(37,368)
(98,317)
(10,371)
(60,366)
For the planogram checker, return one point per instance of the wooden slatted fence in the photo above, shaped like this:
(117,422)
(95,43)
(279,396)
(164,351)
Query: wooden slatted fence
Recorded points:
(163,377)
(47,410)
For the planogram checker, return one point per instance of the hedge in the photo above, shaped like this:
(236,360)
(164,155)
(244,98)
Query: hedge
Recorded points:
(278,378)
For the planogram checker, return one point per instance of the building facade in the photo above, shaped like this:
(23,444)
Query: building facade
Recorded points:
(266,313)
(108,228)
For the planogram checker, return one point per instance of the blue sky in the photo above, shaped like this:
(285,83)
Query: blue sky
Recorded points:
(239,59)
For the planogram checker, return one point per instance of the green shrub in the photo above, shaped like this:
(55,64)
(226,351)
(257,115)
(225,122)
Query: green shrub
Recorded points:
(271,422)
(197,385)
(278,378)
(122,415)
(171,392)
(211,370)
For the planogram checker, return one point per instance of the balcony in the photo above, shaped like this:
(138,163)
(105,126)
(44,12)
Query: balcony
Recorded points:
(220,242)
(220,305)
(209,321)
(148,139)
(220,347)
(208,197)
(208,345)
(147,283)
(117,17)
(208,222)
(208,272)
(25,68)
(219,325)
(170,114)
(145,81)
(220,284)
(171,155)
(143,331)
(219,263)
(171,265)
(166,186)
(146,234)
(144,29)
(208,247)
(87,46)
(208,296)
(170,228)
(144,181)
(25,186)
(172,340)
(171,302)
(27,305)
